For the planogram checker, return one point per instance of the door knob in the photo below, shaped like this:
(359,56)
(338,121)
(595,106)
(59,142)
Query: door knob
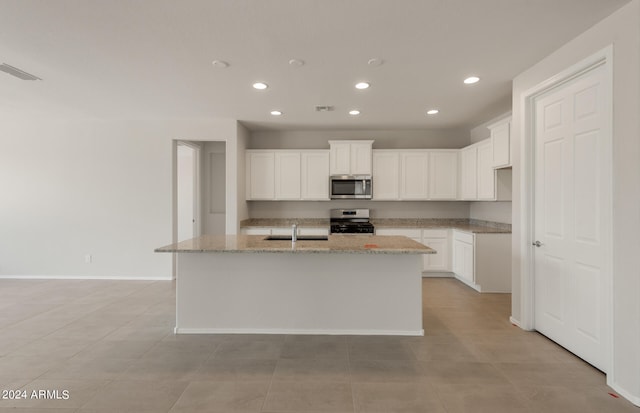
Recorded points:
(537,244)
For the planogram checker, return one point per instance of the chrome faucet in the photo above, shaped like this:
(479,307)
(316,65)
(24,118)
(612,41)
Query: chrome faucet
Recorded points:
(294,232)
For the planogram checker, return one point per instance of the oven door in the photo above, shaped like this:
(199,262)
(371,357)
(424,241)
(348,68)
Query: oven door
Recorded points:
(350,187)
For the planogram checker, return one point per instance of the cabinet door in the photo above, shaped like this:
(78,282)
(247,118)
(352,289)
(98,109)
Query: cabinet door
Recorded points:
(315,175)
(463,260)
(287,175)
(386,175)
(413,175)
(486,173)
(468,171)
(360,154)
(440,260)
(260,175)
(501,141)
(340,158)
(443,175)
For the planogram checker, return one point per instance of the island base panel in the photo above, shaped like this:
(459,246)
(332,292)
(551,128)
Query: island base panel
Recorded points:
(293,293)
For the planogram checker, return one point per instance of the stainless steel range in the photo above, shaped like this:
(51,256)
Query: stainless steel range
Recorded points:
(350,221)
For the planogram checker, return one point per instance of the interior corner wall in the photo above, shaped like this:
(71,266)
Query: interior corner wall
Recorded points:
(622,30)
(98,188)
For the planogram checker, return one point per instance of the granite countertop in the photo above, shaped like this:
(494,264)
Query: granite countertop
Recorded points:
(352,244)
(469,225)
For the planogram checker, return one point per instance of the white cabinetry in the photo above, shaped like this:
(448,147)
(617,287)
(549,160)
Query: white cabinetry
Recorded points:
(260,172)
(479,181)
(350,157)
(486,174)
(469,173)
(287,175)
(315,175)
(386,175)
(482,260)
(414,175)
(443,174)
(438,239)
(463,266)
(501,141)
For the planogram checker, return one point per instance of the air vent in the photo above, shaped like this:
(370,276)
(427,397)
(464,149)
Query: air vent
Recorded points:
(14,71)
(324,108)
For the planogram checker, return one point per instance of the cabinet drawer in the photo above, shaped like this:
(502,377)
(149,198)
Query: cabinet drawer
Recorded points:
(435,233)
(256,231)
(463,236)
(410,233)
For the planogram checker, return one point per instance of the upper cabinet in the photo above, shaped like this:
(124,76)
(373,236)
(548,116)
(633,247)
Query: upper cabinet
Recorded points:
(479,181)
(260,174)
(443,174)
(415,174)
(287,175)
(350,157)
(501,141)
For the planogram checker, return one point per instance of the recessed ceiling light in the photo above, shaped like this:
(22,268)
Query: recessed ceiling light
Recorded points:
(432,111)
(471,80)
(354,112)
(260,86)
(375,62)
(362,85)
(220,64)
(276,112)
(296,62)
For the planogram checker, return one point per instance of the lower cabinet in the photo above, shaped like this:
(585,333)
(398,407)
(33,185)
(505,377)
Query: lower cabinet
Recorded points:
(438,239)
(482,261)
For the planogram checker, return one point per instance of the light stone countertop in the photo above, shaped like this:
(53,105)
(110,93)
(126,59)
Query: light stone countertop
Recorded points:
(336,244)
(468,225)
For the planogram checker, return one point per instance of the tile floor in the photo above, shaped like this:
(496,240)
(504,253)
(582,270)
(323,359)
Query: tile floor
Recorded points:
(110,345)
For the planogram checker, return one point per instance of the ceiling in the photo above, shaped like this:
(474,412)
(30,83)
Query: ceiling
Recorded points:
(149,59)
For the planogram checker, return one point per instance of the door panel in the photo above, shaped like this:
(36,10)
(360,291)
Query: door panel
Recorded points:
(570,285)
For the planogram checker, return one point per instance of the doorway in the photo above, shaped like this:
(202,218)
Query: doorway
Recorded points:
(567,282)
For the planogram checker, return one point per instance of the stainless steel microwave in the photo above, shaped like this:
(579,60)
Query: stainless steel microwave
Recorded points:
(350,186)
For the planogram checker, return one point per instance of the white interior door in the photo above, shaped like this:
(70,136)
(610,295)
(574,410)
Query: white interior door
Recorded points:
(571,205)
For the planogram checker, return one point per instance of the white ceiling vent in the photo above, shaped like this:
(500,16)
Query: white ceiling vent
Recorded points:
(324,108)
(14,71)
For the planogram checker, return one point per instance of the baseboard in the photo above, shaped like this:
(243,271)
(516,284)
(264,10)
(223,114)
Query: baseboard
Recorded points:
(633,399)
(468,283)
(436,274)
(298,332)
(83,277)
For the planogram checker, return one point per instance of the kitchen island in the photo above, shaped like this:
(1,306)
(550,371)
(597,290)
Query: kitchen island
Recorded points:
(347,284)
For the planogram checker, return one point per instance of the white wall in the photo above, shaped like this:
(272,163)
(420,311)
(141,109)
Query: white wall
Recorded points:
(622,29)
(384,139)
(76,187)
(491,211)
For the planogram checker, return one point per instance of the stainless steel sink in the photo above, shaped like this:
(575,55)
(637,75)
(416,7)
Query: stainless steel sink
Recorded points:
(300,238)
